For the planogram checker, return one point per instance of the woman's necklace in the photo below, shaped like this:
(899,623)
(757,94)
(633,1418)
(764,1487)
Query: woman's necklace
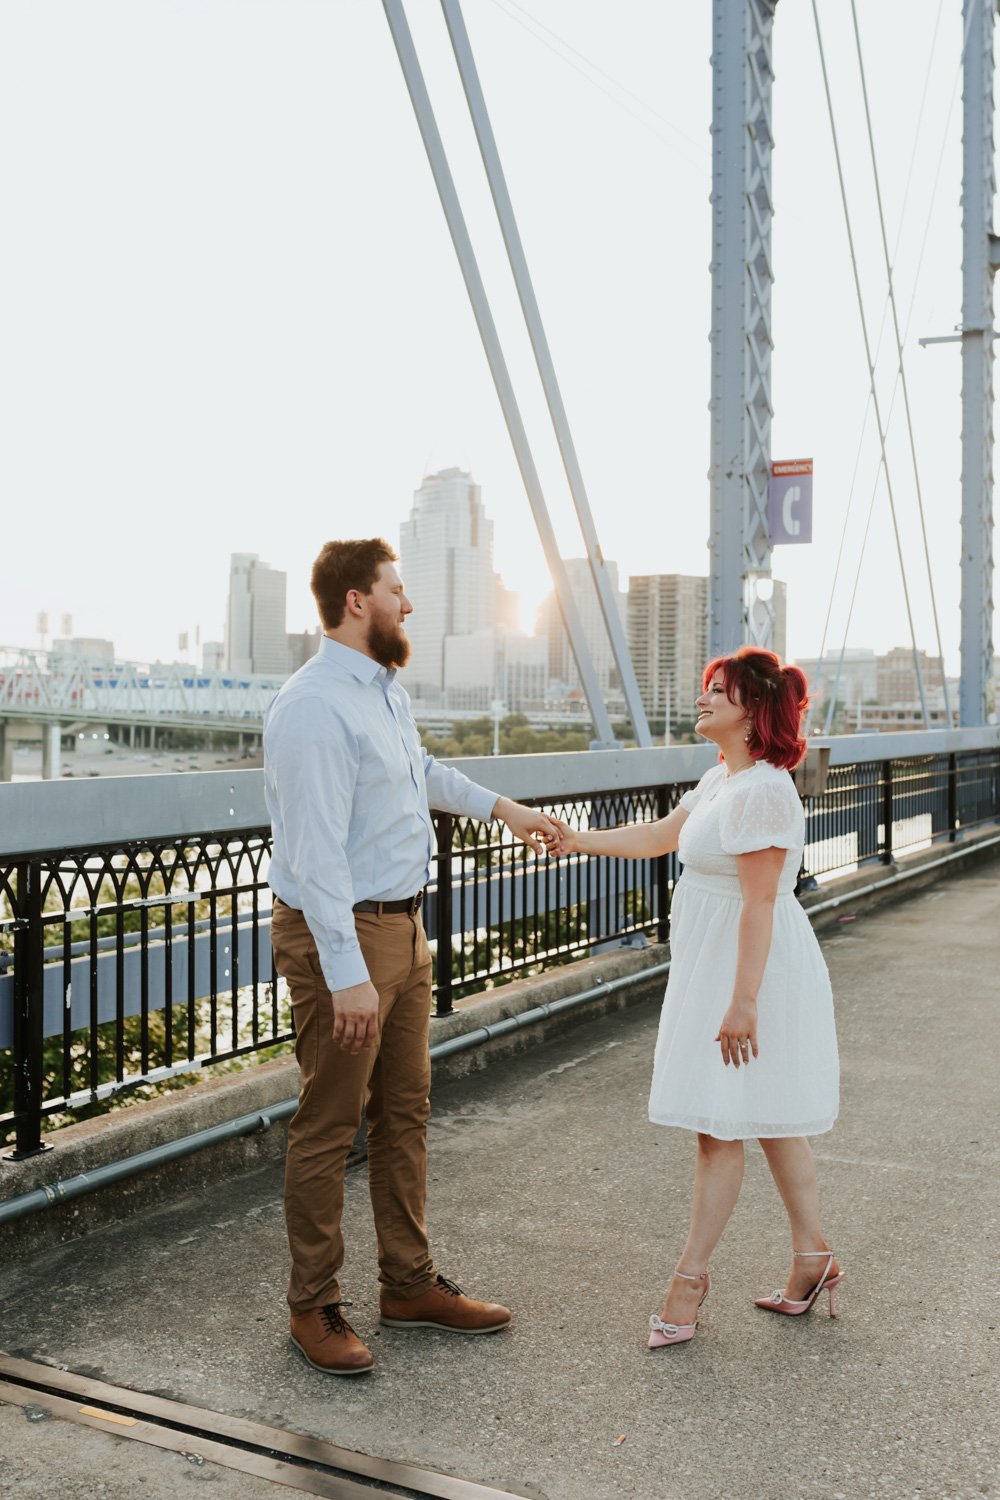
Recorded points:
(738,769)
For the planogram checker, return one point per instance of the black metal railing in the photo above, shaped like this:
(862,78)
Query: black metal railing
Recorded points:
(128,966)
(496,911)
(125,966)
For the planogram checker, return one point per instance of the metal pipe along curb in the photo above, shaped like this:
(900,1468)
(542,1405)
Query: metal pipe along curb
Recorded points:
(262,1119)
(900,876)
(482,1034)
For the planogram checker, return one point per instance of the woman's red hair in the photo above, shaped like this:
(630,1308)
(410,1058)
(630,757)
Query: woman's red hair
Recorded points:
(775,697)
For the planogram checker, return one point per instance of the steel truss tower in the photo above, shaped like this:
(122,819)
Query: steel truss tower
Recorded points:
(740,597)
(980,260)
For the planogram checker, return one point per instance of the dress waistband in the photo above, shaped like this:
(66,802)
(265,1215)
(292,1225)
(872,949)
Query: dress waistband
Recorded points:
(720,885)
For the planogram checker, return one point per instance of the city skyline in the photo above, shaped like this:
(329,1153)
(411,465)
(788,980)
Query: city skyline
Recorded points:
(536,620)
(288,376)
(468,656)
(210,627)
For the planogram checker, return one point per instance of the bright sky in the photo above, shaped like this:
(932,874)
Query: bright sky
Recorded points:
(233,319)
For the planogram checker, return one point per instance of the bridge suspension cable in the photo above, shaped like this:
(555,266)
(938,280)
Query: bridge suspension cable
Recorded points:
(469,266)
(901,370)
(876,405)
(537,26)
(868,403)
(932,201)
(544,362)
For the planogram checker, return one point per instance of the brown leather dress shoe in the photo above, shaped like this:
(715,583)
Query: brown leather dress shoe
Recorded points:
(443,1305)
(328,1342)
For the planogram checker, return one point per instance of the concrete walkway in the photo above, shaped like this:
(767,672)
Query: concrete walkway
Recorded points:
(550,1191)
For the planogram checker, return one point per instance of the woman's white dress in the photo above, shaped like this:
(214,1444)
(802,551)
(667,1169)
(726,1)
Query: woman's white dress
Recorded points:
(792,1088)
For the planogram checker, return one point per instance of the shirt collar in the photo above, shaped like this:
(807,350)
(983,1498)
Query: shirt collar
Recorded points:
(363,667)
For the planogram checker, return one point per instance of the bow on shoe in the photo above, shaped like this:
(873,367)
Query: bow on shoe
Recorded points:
(658,1326)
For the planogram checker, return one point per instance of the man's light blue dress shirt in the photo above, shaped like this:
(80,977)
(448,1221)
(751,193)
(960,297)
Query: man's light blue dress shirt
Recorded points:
(349,789)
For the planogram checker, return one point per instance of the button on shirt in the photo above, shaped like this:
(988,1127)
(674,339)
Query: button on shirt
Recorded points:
(349,789)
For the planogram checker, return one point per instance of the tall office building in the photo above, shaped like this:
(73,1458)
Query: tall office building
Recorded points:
(256,638)
(884,694)
(668,639)
(497,665)
(508,607)
(896,677)
(856,677)
(446,558)
(302,645)
(562,667)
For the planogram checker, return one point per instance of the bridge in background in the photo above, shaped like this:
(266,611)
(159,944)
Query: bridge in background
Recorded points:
(47,694)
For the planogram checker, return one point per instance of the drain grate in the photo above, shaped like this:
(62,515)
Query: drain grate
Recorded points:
(310,1465)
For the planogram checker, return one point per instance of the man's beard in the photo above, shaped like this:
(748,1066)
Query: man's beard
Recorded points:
(388,644)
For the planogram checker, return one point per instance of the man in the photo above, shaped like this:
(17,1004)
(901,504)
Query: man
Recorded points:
(348,787)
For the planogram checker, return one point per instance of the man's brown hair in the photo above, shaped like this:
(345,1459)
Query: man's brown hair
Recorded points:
(342,566)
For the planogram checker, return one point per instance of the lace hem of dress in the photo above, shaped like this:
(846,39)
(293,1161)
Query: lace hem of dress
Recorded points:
(741,1130)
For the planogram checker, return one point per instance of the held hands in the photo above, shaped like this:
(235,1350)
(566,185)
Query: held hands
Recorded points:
(562,839)
(526,823)
(738,1033)
(355,1017)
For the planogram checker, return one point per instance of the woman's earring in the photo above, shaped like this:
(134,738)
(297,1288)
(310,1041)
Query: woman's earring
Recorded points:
(749,732)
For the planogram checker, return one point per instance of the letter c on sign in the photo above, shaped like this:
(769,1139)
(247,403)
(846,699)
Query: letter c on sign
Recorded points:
(791,523)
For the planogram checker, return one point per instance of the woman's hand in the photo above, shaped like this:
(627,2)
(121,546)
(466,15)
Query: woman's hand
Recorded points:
(529,824)
(738,1033)
(563,841)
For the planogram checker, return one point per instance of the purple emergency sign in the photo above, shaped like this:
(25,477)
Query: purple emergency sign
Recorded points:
(789,501)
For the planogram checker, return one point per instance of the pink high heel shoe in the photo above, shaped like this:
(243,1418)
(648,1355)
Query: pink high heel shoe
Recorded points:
(779,1303)
(661,1334)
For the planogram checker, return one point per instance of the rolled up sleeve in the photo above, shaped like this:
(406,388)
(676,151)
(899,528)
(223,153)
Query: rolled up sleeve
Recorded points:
(314,782)
(448,790)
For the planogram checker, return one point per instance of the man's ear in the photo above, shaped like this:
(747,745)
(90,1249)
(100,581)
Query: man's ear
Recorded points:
(354,603)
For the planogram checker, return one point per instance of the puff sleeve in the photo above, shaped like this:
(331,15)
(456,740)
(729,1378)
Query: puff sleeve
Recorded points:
(690,799)
(762,814)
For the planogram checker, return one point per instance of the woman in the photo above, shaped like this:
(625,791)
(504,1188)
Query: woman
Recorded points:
(747,1045)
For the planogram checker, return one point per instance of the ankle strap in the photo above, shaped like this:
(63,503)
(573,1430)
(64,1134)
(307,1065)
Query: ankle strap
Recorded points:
(813,1252)
(702,1276)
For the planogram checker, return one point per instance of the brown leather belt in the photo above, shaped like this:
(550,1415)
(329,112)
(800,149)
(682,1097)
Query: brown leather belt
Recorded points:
(411,906)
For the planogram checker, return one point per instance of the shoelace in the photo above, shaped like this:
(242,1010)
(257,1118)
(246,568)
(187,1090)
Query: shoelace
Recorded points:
(449,1286)
(335,1322)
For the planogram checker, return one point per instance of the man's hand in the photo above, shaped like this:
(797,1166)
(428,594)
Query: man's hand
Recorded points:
(355,1016)
(525,823)
(563,841)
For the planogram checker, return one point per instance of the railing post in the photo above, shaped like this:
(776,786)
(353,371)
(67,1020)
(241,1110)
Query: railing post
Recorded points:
(445,836)
(662,874)
(952,797)
(885,853)
(29,1026)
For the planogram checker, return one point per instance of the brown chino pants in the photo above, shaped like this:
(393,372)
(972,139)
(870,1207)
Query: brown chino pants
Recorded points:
(390,1081)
